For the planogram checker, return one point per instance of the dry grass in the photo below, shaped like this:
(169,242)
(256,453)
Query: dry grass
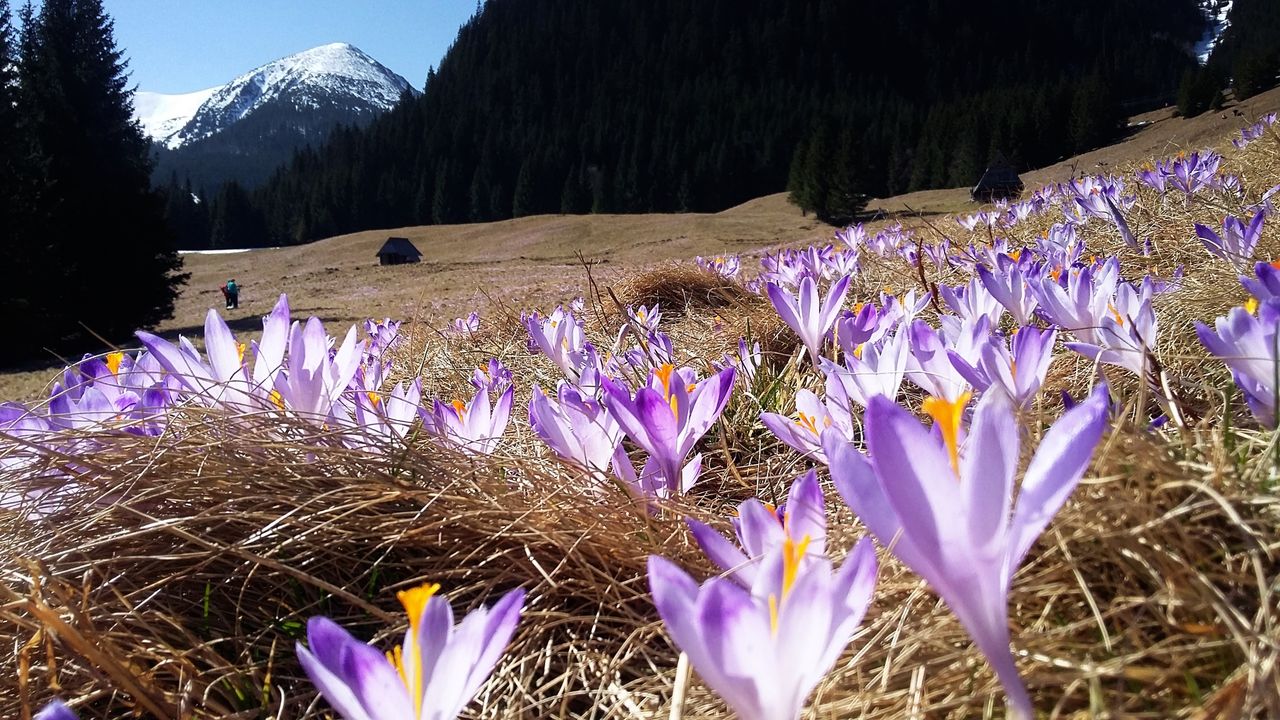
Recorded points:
(178,584)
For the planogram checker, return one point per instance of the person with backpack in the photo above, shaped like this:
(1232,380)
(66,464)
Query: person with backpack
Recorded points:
(232,292)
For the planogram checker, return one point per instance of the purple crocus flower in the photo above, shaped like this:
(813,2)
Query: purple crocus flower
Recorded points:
(945,511)
(389,417)
(854,329)
(1127,335)
(748,360)
(492,376)
(474,427)
(1081,306)
(808,313)
(1265,284)
(876,369)
(726,266)
(670,414)
(1153,176)
(1247,345)
(314,380)
(1018,371)
(383,335)
(929,364)
(466,326)
(1236,243)
(1008,286)
(804,433)
(646,316)
(764,648)
(761,529)
(560,338)
(432,675)
(577,427)
(223,380)
(854,237)
(972,301)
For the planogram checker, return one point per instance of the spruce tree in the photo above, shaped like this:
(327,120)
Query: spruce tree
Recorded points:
(15,314)
(798,190)
(108,264)
(522,203)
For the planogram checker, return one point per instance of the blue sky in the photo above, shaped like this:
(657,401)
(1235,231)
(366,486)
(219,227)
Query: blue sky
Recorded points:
(177,46)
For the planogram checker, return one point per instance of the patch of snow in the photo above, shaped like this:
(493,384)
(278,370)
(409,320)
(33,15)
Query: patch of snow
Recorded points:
(228,251)
(161,116)
(1217,18)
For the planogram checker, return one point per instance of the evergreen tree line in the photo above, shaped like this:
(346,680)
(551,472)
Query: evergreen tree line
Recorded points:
(1246,59)
(84,247)
(575,106)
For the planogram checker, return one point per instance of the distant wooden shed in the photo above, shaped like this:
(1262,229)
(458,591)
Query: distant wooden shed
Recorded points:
(999,182)
(398,251)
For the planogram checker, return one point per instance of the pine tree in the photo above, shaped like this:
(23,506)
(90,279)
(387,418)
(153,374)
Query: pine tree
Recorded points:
(798,190)
(15,314)
(522,202)
(441,201)
(110,265)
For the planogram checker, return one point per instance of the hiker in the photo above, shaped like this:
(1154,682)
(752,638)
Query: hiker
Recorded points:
(226,297)
(232,293)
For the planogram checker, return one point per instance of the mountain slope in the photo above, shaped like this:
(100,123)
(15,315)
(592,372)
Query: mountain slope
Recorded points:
(244,130)
(163,116)
(579,106)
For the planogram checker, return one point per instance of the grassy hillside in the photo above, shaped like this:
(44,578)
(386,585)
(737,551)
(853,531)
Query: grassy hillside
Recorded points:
(534,260)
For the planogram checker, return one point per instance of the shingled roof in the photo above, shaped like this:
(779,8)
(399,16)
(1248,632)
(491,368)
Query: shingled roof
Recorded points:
(398,250)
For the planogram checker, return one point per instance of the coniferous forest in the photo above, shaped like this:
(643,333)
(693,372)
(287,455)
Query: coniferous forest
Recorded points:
(1247,58)
(84,245)
(548,106)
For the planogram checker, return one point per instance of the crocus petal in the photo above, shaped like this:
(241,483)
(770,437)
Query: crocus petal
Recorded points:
(806,514)
(924,492)
(723,553)
(374,682)
(988,463)
(55,710)
(1059,462)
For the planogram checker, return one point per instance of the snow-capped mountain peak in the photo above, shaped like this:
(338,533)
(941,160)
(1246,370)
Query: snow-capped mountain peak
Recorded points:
(338,76)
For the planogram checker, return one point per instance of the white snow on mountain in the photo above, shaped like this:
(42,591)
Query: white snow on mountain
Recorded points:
(1218,18)
(163,115)
(336,74)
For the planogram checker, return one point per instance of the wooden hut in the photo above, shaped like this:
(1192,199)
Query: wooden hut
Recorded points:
(398,251)
(999,182)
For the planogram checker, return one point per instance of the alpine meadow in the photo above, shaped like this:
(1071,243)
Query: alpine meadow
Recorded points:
(651,359)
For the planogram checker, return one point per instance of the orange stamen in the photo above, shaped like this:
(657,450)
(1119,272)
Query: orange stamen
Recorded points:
(113,362)
(414,601)
(1115,314)
(792,553)
(947,416)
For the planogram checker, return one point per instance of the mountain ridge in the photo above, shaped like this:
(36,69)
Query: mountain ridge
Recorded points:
(336,75)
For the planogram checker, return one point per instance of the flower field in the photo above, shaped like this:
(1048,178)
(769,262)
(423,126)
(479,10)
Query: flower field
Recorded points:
(1020,463)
